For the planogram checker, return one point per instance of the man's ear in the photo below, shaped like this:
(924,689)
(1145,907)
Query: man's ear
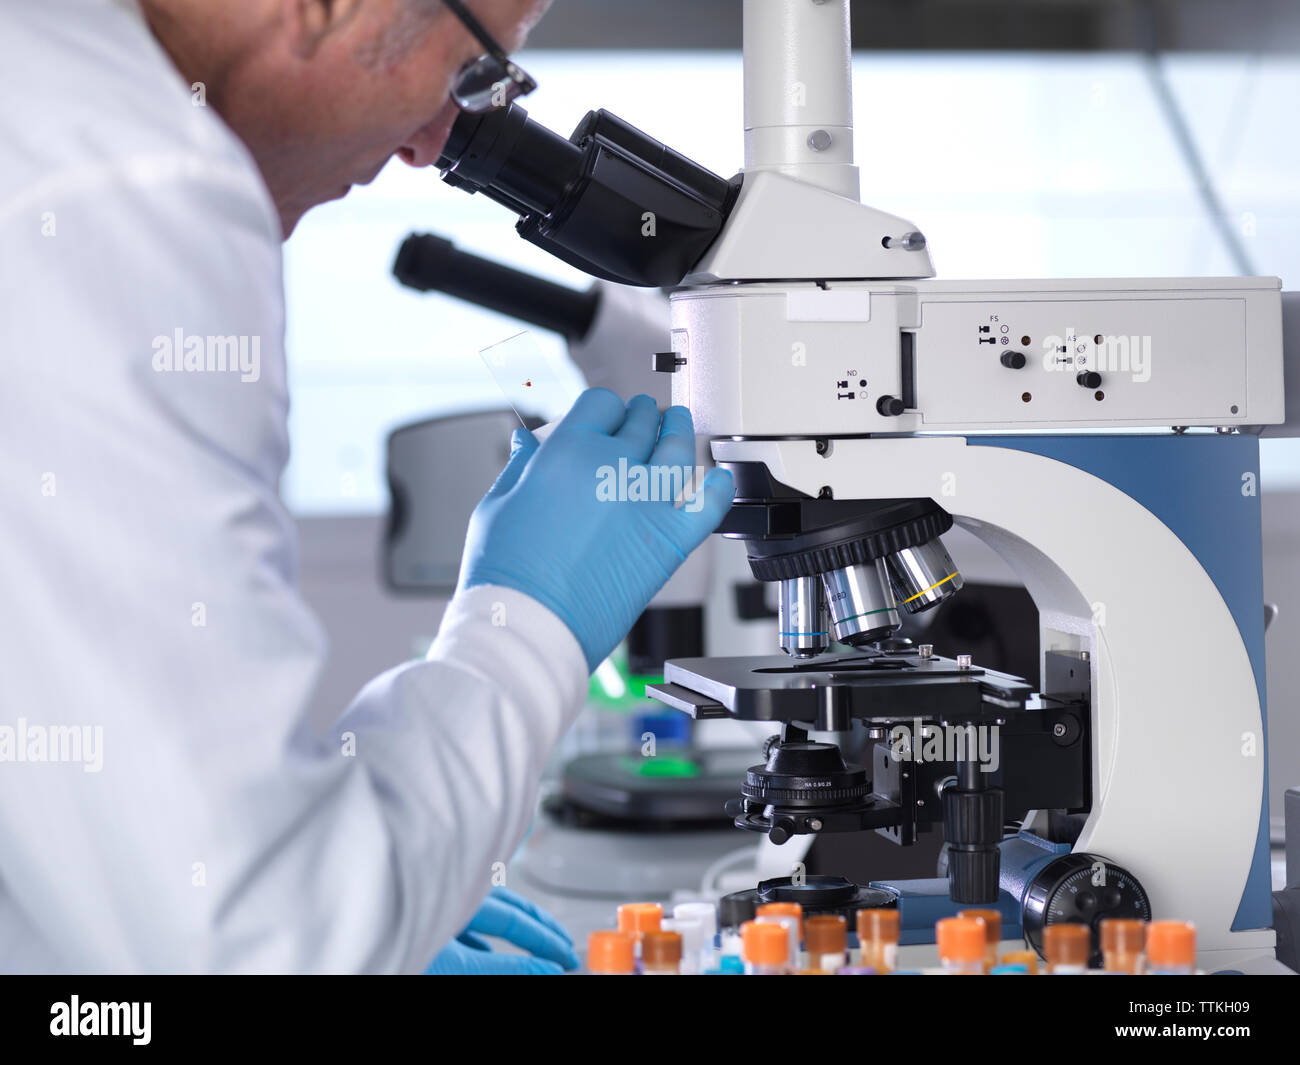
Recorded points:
(314,21)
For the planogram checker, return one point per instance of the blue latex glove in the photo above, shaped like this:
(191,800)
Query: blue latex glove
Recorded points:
(596,563)
(516,920)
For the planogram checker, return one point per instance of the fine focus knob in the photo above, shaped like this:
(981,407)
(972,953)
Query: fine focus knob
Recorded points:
(1088,379)
(1013,360)
(890,406)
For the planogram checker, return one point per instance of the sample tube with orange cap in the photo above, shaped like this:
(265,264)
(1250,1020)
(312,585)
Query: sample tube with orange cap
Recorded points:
(1067,947)
(878,935)
(1171,948)
(611,953)
(661,953)
(826,940)
(961,943)
(765,946)
(1026,958)
(638,918)
(1123,941)
(992,930)
(790,916)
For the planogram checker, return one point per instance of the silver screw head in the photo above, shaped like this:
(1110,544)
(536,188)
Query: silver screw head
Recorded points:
(913,241)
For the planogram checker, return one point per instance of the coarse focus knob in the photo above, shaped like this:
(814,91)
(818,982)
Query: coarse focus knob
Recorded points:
(972,827)
(972,816)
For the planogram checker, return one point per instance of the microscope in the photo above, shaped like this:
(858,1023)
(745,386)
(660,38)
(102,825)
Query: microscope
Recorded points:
(1101,436)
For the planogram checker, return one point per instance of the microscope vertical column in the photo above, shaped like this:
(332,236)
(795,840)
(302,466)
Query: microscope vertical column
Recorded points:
(799,92)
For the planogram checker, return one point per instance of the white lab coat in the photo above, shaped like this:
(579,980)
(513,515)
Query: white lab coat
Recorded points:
(147,578)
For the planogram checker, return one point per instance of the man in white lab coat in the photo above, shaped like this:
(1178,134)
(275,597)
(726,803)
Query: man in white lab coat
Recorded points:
(163,805)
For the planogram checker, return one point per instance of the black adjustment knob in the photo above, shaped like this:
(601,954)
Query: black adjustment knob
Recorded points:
(666,362)
(973,875)
(972,817)
(782,829)
(890,406)
(1013,360)
(1088,379)
(972,828)
(1084,889)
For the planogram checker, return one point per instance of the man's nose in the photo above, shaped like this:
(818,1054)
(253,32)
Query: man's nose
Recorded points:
(423,147)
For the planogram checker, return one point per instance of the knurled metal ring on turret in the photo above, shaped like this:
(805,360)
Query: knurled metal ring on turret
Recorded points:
(855,551)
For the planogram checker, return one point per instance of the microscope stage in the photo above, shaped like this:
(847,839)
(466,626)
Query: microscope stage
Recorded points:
(880,687)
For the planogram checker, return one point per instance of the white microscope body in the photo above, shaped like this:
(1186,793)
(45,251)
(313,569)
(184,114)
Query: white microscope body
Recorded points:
(809,341)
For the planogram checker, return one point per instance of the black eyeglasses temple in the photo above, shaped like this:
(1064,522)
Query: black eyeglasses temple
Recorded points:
(476,28)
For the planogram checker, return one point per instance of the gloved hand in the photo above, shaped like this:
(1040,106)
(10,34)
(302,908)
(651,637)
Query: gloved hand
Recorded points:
(510,917)
(595,562)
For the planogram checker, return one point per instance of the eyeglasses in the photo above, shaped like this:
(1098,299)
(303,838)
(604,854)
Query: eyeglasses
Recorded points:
(491,81)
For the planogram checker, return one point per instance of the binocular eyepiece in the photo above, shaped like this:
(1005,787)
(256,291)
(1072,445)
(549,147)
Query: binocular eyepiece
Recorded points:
(609,200)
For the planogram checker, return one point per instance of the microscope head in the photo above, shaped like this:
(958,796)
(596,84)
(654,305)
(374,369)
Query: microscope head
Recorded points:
(622,206)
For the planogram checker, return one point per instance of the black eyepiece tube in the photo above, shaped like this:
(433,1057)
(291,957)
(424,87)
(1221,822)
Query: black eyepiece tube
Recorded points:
(430,263)
(506,153)
(610,200)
